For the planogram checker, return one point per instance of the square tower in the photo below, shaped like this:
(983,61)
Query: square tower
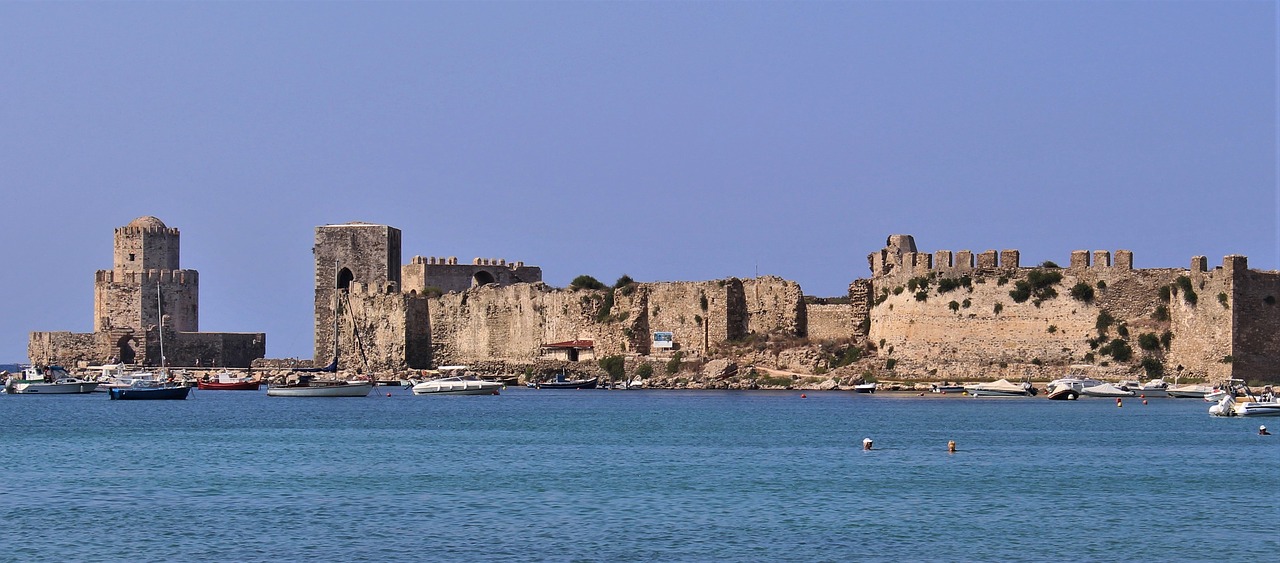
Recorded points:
(362,253)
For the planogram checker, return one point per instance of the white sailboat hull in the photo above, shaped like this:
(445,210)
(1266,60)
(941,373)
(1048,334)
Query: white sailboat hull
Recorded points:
(361,389)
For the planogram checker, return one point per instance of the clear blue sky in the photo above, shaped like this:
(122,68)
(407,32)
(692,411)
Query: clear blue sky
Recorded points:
(664,140)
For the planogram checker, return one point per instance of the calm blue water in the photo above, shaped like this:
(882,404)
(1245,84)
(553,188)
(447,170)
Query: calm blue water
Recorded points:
(631,476)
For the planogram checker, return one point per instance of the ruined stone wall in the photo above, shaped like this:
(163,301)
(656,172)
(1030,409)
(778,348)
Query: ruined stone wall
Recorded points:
(979,331)
(832,321)
(774,305)
(1255,306)
(448,275)
(381,331)
(68,348)
(510,323)
(1201,326)
(215,349)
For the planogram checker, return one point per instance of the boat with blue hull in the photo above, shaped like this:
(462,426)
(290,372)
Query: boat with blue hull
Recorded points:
(162,392)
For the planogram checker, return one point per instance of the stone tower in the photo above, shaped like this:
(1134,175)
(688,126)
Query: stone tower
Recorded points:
(145,280)
(351,253)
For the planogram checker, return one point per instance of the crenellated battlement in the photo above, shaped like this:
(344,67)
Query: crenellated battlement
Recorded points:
(136,231)
(453,261)
(899,258)
(148,277)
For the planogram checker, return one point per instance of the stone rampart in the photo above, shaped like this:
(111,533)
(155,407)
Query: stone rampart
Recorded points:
(380,330)
(446,274)
(1256,317)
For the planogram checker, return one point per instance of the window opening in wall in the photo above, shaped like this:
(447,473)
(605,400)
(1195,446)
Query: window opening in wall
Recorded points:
(344,278)
(131,258)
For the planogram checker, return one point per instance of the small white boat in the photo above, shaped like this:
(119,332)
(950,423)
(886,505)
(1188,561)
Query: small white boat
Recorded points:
(945,388)
(308,386)
(1189,391)
(1001,388)
(51,380)
(865,387)
(458,385)
(1105,390)
(1153,388)
(1069,387)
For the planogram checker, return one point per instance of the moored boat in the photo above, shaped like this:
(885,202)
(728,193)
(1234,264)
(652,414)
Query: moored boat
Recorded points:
(458,385)
(309,386)
(865,387)
(1105,390)
(227,381)
(1150,389)
(1001,388)
(563,382)
(1189,391)
(1240,401)
(151,390)
(50,380)
(945,387)
(1069,388)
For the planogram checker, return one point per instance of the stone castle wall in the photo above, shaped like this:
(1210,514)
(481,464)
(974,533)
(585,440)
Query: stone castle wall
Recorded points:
(350,253)
(980,332)
(511,323)
(128,299)
(446,274)
(1255,306)
(381,331)
(832,321)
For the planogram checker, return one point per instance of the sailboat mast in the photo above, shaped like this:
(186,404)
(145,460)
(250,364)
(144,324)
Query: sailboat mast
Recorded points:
(160,321)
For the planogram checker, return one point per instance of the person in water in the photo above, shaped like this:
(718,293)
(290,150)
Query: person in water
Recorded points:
(1262,431)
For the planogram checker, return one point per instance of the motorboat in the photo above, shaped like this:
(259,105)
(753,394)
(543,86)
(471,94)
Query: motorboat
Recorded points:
(50,380)
(458,385)
(308,386)
(945,387)
(1069,388)
(1153,388)
(563,382)
(865,387)
(227,381)
(1189,391)
(1246,403)
(1105,390)
(1001,388)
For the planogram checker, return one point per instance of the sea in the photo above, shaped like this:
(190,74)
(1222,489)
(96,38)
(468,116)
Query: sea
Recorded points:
(637,475)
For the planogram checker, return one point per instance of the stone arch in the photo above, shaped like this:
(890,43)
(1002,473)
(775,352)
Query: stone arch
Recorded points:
(124,350)
(345,277)
(482,278)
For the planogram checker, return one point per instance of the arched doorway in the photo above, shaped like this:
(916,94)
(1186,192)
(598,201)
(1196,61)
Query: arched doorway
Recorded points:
(125,351)
(482,278)
(344,278)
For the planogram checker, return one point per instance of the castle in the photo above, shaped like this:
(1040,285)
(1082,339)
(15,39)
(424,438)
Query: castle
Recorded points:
(943,315)
(129,299)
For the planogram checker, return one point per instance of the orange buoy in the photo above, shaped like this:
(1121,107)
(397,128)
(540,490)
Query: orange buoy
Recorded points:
(1119,403)
(1142,396)
(802,396)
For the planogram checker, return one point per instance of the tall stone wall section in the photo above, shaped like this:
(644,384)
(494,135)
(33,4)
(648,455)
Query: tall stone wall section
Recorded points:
(979,331)
(381,331)
(129,299)
(346,254)
(1255,307)
(775,305)
(446,274)
(512,322)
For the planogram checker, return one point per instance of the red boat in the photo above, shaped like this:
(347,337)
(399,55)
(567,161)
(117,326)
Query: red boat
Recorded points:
(229,382)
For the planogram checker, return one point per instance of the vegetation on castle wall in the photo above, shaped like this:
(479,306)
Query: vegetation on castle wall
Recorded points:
(1118,349)
(1105,320)
(605,308)
(585,282)
(1039,284)
(673,365)
(625,285)
(1161,313)
(951,284)
(1188,294)
(644,371)
(1222,298)
(1082,291)
(1164,293)
(1148,341)
(614,366)
(1153,367)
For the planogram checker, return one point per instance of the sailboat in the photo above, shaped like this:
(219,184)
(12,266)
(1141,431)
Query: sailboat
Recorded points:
(161,387)
(308,385)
